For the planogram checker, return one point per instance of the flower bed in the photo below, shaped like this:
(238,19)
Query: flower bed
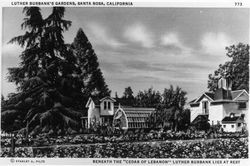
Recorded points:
(220,148)
(136,137)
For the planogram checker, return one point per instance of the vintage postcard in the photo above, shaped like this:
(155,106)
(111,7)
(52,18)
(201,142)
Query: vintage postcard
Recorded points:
(124,82)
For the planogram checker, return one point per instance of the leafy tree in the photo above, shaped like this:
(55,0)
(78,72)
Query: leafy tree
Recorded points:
(48,79)
(128,98)
(174,98)
(148,98)
(91,73)
(237,69)
(171,109)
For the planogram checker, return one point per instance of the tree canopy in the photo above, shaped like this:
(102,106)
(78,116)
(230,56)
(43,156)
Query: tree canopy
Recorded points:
(169,105)
(237,69)
(94,83)
(148,98)
(128,98)
(51,79)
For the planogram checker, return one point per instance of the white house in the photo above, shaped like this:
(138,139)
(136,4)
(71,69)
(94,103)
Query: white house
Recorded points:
(109,111)
(233,123)
(99,110)
(221,104)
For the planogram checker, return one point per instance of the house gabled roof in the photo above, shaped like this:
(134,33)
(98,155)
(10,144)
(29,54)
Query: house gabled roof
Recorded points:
(209,95)
(192,101)
(237,93)
(108,97)
(233,119)
(96,100)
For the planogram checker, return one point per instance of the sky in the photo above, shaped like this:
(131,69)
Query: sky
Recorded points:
(145,47)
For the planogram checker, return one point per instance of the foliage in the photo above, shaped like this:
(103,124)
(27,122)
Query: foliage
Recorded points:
(169,106)
(49,86)
(170,111)
(106,135)
(201,123)
(174,98)
(221,148)
(128,99)
(91,73)
(237,69)
(148,98)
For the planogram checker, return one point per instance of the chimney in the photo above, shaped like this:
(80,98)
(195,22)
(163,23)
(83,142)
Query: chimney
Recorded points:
(223,91)
(231,115)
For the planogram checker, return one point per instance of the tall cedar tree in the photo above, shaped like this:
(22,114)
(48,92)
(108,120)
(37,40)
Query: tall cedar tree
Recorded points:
(91,73)
(237,69)
(48,79)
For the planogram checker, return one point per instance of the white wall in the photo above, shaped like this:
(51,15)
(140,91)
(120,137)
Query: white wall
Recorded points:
(93,113)
(215,114)
(195,111)
(228,127)
(218,112)
(107,111)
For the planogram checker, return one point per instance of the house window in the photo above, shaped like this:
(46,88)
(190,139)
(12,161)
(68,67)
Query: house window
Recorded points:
(205,107)
(239,124)
(109,105)
(105,105)
(232,126)
(242,105)
(224,126)
(102,120)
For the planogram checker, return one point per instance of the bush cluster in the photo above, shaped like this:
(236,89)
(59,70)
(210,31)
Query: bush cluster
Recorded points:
(219,148)
(42,140)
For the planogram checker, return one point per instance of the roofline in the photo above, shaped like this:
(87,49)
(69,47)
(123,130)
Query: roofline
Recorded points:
(202,95)
(240,94)
(191,101)
(141,108)
(236,121)
(108,97)
(121,109)
(87,104)
(239,90)
(224,101)
(208,96)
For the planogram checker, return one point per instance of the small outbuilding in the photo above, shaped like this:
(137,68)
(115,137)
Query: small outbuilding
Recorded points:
(233,123)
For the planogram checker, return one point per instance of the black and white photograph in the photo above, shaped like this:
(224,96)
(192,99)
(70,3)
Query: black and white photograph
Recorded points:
(125,82)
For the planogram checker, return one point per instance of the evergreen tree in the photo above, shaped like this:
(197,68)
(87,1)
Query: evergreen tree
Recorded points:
(91,73)
(48,79)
